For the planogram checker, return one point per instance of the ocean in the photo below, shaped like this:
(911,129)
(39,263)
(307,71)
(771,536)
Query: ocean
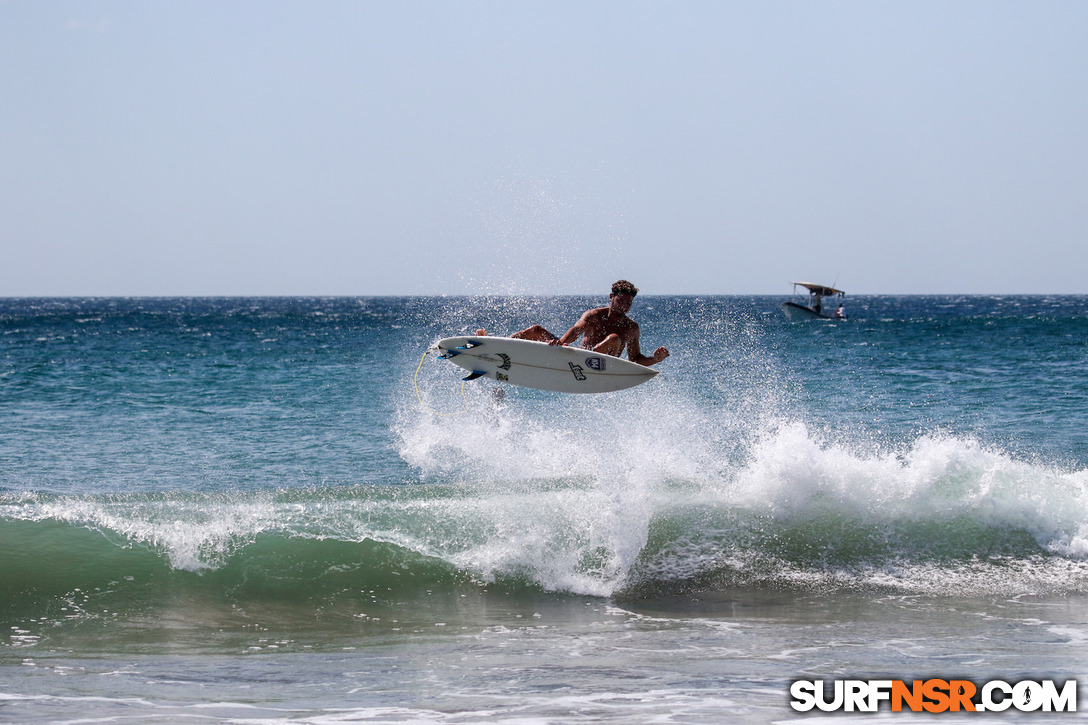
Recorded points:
(284,510)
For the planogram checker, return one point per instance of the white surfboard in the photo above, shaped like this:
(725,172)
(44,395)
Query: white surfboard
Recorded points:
(543,366)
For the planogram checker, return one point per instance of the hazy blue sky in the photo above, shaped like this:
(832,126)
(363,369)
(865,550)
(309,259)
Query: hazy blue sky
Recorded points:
(356,148)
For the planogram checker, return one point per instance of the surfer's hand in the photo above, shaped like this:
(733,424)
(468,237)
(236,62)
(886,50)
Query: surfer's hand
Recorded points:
(660,354)
(556,342)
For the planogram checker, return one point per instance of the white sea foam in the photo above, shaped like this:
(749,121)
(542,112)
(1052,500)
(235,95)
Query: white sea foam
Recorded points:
(767,501)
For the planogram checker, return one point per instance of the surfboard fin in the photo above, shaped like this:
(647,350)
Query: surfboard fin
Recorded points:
(475,374)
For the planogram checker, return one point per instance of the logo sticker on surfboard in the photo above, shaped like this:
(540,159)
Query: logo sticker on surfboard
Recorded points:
(595,363)
(579,374)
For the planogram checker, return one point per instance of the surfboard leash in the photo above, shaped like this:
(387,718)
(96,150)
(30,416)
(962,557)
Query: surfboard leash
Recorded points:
(419,396)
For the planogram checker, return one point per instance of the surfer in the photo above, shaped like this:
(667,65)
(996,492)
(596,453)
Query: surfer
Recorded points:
(605,330)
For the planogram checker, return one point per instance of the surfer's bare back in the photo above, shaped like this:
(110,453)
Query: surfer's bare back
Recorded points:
(607,330)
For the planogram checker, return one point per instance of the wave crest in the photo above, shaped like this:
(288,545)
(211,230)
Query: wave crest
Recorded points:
(946,515)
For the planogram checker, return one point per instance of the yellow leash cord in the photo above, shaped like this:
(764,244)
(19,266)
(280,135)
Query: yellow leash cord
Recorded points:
(415,383)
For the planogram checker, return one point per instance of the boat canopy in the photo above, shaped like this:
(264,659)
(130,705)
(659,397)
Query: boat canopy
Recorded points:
(819,289)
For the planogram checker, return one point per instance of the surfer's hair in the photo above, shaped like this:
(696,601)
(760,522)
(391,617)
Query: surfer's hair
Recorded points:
(623,287)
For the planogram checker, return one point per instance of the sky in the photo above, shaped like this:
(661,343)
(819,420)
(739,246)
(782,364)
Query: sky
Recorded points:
(493,147)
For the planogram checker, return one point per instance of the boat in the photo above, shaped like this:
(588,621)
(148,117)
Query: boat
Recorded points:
(808,302)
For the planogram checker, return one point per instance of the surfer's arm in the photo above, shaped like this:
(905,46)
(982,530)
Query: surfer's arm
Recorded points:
(573,333)
(634,353)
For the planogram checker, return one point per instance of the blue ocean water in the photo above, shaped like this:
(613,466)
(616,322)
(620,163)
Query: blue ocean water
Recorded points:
(199,497)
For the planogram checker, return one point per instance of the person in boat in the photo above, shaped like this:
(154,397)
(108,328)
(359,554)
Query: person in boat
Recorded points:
(840,313)
(605,330)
